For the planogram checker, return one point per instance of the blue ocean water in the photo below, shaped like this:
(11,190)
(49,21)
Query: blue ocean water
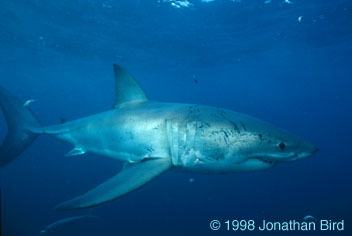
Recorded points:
(285,62)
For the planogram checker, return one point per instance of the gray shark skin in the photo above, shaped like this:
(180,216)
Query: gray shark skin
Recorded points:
(152,137)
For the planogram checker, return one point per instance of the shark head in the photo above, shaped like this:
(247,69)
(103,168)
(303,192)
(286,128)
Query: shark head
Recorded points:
(233,142)
(276,146)
(263,146)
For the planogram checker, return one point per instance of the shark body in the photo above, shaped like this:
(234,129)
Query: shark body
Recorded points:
(152,137)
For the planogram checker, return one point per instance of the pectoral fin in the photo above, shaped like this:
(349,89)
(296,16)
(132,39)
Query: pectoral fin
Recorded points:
(132,177)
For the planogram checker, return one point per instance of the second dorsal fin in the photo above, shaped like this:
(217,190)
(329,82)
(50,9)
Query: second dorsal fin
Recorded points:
(127,88)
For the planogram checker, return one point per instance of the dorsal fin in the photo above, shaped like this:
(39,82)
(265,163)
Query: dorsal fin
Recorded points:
(127,88)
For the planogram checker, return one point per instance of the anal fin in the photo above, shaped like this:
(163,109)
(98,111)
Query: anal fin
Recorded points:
(132,177)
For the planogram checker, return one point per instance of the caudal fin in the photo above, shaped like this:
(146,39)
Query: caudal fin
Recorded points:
(20,120)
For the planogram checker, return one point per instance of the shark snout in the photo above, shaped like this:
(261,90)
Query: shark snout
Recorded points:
(315,150)
(307,153)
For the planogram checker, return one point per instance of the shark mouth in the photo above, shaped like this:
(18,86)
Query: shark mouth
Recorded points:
(266,161)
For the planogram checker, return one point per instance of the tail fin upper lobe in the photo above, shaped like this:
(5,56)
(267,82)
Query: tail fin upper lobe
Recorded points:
(20,120)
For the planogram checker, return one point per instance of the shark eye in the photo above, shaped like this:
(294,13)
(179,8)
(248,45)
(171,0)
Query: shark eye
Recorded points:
(282,146)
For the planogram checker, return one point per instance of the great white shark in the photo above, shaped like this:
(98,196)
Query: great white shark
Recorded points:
(152,137)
